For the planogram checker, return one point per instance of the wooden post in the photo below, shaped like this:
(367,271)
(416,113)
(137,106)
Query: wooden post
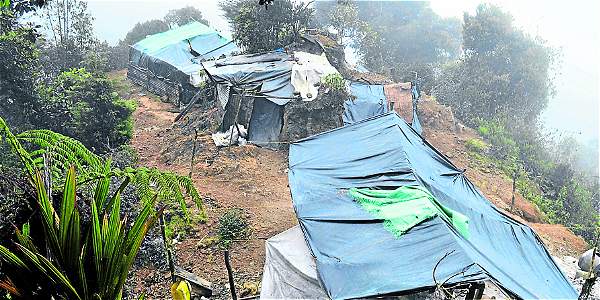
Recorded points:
(193,153)
(230,275)
(167,248)
(514,188)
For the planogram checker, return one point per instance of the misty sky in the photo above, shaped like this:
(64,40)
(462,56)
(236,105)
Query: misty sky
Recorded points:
(571,26)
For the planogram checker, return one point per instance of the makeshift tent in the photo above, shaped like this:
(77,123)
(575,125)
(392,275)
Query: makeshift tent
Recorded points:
(254,88)
(173,57)
(357,257)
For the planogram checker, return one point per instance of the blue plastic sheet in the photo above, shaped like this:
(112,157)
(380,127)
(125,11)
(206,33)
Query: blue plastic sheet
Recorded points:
(173,47)
(268,74)
(357,257)
(369,100)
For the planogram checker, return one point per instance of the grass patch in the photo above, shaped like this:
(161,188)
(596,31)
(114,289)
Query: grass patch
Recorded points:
(476,145)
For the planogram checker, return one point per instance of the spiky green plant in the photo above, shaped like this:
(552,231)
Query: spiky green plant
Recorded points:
(72,259)
(57,153)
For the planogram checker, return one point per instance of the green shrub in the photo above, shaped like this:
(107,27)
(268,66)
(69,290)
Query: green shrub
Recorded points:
(85,106)
(476,145)
(334,82)
(233,225)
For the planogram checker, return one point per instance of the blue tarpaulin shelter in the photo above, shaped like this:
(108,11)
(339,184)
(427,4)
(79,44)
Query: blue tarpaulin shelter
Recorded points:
(173,47)
(357,257)
(168,63)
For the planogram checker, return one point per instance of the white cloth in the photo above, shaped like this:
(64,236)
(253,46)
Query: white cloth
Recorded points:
(307,73)
(231,136)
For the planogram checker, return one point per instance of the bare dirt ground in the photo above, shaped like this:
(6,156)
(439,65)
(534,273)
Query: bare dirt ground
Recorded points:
(251,178)
(255,179)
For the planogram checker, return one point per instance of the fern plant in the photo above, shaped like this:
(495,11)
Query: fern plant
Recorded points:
(56,153)
(72,259)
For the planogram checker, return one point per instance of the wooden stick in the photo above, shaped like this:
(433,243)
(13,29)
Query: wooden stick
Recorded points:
(230,275)
(193,153)
(167,248)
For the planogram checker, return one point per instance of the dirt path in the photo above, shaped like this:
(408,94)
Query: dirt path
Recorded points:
(250,178)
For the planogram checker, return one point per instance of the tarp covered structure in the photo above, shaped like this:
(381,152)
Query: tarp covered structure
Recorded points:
(357,257)
(265,82)
(173,47)
(267,75)
(169,62)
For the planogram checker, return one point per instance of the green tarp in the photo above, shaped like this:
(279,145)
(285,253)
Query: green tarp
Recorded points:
(405,207)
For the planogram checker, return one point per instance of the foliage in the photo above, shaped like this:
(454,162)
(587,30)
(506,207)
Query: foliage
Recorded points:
(334,81)
(18,70)
(143,29)
(61,152)
(390,38)
(503,75)
(184,15)
(85,105)
(257,29)
(476,145)
(70,35)
(342,16)
(73,258)
(546,177)
(233,225)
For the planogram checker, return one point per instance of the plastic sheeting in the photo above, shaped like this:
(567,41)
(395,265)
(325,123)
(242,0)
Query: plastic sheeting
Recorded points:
(290,271)
(369,101)
(268,74)
(307,73)
(357,257)
(172,47)
(265,123)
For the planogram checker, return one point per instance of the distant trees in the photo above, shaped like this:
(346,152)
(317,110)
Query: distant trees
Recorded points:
(184,16)
(503,74)
(342,16)
(143,29)
(400,38)
(77,102)
(18,70)
(70,36)
(257,29)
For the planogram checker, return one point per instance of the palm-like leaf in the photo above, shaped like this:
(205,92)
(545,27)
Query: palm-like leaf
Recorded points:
(60,152)
(80,266)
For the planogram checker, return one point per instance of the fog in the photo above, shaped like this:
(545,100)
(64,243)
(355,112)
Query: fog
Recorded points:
(571,28)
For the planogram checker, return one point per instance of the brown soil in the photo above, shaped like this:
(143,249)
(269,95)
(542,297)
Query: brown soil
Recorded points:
(248,177)
(255,179)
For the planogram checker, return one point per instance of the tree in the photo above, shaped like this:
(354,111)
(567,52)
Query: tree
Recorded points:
(503,74)
(396,37)
(257,29)
(183,16)
(18,73)
(342,15)
(70,35)
(85,106)
(141,30)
